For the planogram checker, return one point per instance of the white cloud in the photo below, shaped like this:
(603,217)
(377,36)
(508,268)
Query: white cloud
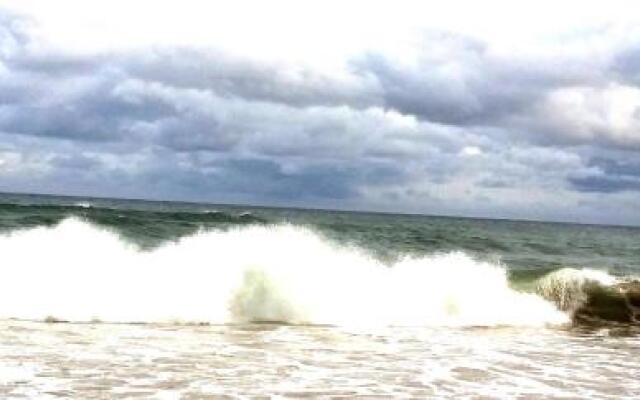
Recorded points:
(470,151)
(318,34)
(610,113)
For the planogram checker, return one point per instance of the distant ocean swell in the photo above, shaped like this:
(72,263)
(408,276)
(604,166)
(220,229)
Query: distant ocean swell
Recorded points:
(77,271)
(52,214)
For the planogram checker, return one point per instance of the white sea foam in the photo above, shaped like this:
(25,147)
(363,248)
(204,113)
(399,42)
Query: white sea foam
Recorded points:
(79,272)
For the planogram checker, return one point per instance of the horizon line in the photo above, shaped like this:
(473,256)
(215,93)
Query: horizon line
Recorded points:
(282,207)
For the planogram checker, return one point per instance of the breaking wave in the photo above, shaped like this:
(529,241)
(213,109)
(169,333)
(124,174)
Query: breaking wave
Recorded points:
(76,271)
(592,296)
(569,287)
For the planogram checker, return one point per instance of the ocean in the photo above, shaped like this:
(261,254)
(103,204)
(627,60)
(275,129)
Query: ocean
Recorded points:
(106,298)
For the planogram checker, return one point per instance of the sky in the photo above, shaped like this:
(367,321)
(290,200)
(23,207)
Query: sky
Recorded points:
(488,109)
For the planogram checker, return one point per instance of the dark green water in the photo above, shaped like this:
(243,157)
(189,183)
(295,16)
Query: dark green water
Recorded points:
(527,249)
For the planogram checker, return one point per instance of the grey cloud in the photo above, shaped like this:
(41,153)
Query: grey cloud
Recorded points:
(12,32)
(456,82)
(205,121)
(550,101)
(92,112)
(262,180)
(497,183)
(268,179)
(627,65)
(20,52)
(76,162)
(198,133)
(617,166)
(54,64)
(241,77)
(463,84)
(608,176)
(201,124)
(605,184)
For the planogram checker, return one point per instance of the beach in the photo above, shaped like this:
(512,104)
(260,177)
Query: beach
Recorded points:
(123,299)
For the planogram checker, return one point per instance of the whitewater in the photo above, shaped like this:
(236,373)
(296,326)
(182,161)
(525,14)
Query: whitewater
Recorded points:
(78,272)
(122,299)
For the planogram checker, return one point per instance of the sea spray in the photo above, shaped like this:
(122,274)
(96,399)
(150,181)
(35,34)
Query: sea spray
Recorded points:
(78,272)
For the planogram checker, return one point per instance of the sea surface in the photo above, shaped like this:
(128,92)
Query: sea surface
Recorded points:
(105,298)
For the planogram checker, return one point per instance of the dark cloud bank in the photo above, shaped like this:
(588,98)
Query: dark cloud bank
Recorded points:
(462,131)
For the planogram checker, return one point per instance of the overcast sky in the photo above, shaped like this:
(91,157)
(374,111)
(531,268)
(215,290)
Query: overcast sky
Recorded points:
(494,108)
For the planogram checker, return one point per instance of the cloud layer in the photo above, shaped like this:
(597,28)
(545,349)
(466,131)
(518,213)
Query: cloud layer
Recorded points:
(446,122)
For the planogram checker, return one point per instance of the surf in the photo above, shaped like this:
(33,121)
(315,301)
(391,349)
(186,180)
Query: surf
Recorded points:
(592,296)
(79,272)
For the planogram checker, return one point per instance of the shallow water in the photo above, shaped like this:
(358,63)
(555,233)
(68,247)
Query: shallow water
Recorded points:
(99,361)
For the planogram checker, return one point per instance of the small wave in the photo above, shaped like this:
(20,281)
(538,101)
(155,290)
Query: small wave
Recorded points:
(592,296)
(206,216)
(28,214)
(567,287)
(76,271)
(31,207)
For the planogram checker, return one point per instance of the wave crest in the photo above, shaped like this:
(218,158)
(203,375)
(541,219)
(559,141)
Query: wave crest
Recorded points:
(569,287)
(78,272)
(593,297)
